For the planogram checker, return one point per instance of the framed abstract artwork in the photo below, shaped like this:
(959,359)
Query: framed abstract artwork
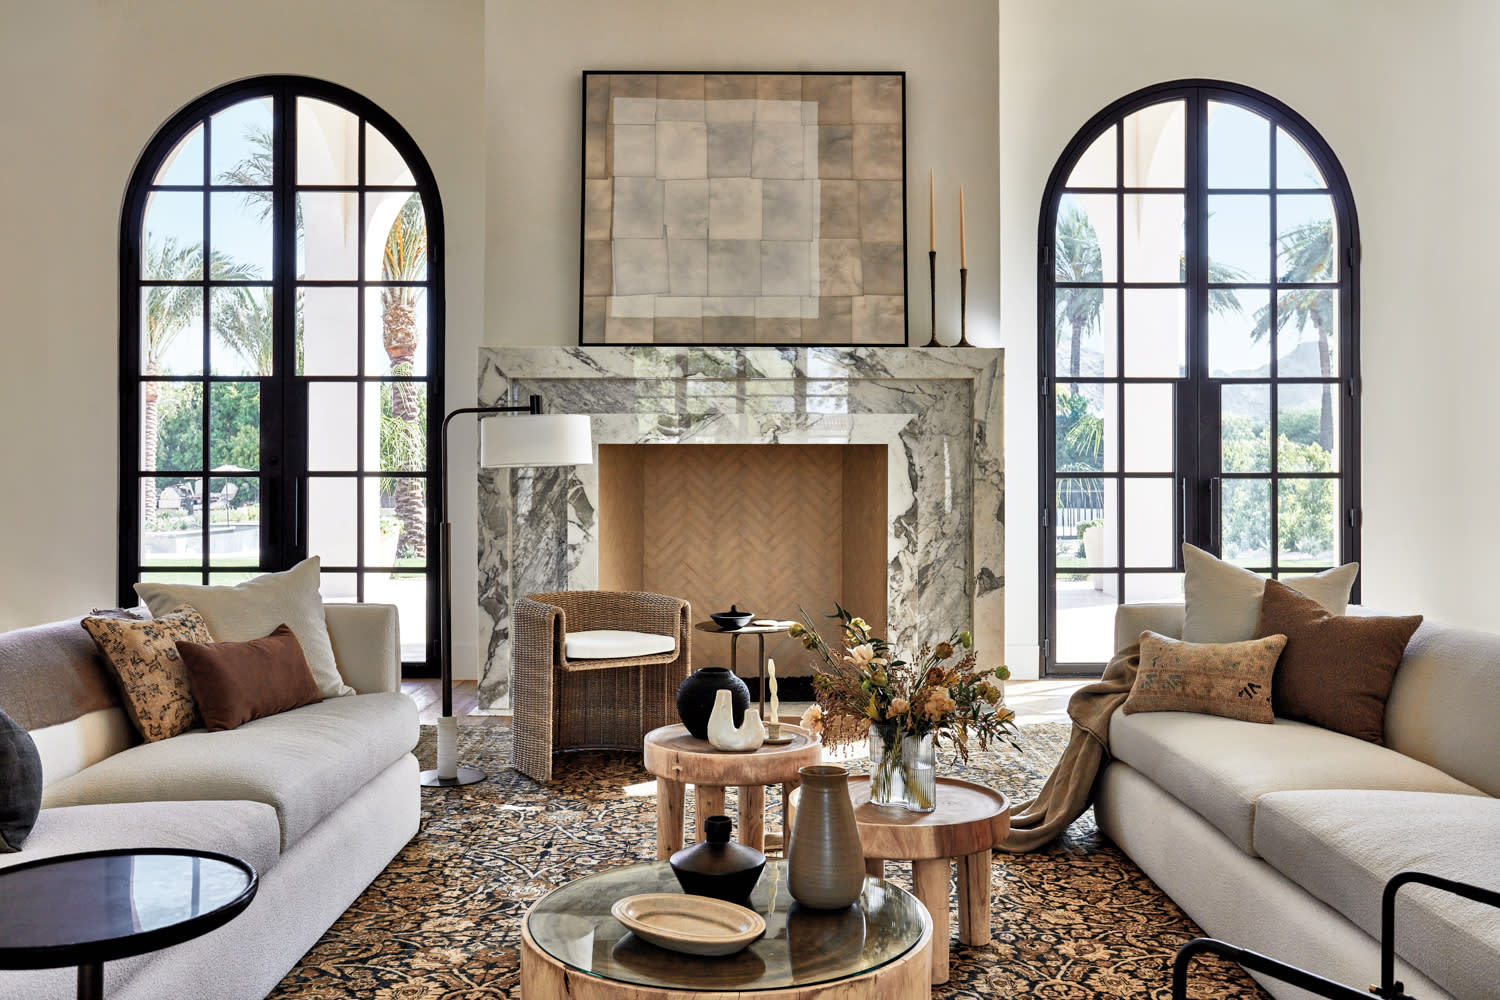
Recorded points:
(744,208)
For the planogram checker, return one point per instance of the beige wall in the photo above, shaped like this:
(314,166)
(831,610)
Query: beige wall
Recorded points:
(86,85)
(1403,92)
(538,51)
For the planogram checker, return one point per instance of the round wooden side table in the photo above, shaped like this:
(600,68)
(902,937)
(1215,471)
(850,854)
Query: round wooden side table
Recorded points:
(969,820)
(678,759)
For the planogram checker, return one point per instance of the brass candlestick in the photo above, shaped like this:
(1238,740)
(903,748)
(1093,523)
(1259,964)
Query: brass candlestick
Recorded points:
(932,276)
(963,302)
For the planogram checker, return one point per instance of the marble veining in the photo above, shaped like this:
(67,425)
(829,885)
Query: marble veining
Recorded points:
(938,410)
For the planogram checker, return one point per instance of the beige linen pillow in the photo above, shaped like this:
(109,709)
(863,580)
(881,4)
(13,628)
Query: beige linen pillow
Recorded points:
(142,655)
(251,610)
(1223,601)
(1232,679)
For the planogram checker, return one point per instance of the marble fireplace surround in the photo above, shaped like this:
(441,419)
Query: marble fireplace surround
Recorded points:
(938,410)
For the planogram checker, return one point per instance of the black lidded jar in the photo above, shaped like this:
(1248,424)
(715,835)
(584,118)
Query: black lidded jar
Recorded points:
(718,867)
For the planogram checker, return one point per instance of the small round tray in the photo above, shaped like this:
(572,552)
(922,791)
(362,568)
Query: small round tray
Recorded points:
(693,925)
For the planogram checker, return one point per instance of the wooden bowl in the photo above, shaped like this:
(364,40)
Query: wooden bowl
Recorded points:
(693,925)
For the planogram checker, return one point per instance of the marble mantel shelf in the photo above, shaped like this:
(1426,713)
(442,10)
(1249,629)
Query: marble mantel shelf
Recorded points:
(938,410)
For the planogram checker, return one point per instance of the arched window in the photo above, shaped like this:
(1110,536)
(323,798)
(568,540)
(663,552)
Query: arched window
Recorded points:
(281,296)
(1198,348)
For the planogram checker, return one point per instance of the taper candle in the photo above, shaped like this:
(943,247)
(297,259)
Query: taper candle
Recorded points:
(775,705)
(931,213)
(963,251)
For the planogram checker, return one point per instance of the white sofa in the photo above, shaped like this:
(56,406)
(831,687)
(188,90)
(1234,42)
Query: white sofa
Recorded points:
(1279,838)
(318,799)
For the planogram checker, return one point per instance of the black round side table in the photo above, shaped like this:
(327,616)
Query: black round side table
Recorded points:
(88,909)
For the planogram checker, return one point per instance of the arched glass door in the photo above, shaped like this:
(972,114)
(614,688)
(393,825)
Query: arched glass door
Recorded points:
(281,330)
(1198,354)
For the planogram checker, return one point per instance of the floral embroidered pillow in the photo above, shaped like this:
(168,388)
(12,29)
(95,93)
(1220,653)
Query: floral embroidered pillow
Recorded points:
(153,680)
(1232,679)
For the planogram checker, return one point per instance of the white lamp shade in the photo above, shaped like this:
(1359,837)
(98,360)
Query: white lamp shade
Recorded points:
(534,439)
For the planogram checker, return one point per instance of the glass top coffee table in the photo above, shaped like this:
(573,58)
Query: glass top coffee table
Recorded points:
(881,946)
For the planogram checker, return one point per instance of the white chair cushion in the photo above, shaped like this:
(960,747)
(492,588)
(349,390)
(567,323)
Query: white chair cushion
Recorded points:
(616,644)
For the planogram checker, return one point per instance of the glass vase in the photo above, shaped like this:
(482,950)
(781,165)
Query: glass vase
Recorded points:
(887,782)
(919,773)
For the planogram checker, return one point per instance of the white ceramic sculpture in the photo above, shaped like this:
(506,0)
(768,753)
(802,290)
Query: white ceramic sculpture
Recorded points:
(721,732)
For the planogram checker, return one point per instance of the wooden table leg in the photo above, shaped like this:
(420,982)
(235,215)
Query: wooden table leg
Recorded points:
(708,800)
(671,801)
(788,811)
(874,867)
(930,880)
(753,816)
(974,898)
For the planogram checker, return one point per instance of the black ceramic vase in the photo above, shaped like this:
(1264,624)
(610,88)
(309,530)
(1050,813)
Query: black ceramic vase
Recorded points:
(718,866)
(695,698)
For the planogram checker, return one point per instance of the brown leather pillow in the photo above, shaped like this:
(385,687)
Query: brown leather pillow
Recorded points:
(234,682)
(1336,671)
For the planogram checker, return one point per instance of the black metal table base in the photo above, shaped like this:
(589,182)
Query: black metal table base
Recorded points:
(466,776)
(91,981)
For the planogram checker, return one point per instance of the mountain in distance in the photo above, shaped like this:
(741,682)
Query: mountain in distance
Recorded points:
(1300,362)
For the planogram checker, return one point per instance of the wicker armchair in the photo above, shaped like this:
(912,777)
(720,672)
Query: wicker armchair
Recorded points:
(563,704)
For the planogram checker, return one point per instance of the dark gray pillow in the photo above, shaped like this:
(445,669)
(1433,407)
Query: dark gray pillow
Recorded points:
(20,783)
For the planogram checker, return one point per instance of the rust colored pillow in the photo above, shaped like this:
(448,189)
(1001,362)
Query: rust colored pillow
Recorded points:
(1337,670)
(1232,679)
(234,682)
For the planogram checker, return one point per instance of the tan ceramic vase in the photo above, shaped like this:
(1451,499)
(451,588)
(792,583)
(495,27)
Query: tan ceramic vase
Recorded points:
(825,861)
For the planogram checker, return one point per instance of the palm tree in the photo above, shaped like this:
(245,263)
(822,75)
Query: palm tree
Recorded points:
(242,319)
(169,309)
(405,259)
(1306,253)
(1077,257)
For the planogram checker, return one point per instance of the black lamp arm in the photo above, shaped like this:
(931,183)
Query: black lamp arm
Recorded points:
(445,566)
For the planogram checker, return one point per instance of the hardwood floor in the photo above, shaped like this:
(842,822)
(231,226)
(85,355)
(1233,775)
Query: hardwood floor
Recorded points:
(1033,701)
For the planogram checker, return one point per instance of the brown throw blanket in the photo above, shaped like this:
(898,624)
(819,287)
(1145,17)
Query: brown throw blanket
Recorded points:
(1069,790)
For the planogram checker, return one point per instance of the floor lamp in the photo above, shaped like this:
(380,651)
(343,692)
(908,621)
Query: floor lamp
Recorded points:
(535,439)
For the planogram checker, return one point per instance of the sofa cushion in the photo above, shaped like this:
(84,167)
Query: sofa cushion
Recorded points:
(1221,767)
(20,784)
(616,644)
(246,830)
(234,682)
(1445,701)
(1222,600)
(1336,670)
(144,659)
(1343,846)
(304,762)
(252,609)
(1232,679)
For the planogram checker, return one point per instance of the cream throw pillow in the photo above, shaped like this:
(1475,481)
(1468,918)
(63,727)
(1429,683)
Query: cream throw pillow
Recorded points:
(253,609)
(1223,600)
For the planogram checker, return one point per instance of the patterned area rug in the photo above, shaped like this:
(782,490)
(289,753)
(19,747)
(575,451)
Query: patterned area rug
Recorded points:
(1077,920)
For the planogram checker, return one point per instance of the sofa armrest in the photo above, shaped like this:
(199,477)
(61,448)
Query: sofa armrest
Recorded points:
(1164,618)
(366,645)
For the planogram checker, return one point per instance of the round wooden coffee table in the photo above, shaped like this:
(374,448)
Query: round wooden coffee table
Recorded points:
(969,820)
(571,946)
(678,759)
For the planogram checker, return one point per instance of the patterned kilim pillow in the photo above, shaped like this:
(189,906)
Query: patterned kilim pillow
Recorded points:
(144,659)
(1232,679)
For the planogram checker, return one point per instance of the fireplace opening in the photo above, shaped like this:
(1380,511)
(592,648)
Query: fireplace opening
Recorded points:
(769,528)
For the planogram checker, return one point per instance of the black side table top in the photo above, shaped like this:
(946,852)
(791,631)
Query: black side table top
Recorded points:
(81,909)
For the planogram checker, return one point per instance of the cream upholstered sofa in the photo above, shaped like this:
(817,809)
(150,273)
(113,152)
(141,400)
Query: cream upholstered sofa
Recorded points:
(318,799)
(1279,838)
